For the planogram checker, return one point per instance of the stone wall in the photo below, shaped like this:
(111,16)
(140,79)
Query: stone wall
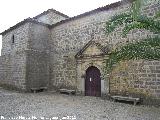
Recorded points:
(25,63)
(18,69)
(39,37)
(138,78)
(13,59)
(21,36)
(37,70)
(42,57)
(5,70)
(13,70)
(70,37)
(50,18)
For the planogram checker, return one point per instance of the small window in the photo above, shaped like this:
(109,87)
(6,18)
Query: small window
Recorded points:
(13,39)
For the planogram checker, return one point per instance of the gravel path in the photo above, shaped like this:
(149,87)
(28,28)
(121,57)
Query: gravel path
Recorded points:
(56,106)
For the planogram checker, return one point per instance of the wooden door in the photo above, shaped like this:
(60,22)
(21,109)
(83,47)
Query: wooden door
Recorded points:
(93,82)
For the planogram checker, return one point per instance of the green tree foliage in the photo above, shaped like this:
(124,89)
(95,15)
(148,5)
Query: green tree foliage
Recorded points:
(133,19)
(145,49)
(136,8)
(157,15)
(148,49)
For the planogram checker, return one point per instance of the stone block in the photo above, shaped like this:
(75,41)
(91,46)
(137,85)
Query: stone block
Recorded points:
(151,75)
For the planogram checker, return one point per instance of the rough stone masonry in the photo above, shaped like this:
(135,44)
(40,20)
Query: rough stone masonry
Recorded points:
(53,50)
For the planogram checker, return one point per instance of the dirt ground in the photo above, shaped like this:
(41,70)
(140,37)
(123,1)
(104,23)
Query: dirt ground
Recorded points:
(55,106)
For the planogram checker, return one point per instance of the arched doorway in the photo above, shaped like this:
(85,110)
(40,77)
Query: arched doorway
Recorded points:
(93,82)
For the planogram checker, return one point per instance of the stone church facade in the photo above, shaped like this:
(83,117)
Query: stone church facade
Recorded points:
(56,51)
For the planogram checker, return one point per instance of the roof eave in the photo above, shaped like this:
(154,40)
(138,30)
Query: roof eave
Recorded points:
(107,7)
(22,23)
(51,10)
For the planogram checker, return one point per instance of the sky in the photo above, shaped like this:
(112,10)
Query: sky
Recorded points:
(14,11)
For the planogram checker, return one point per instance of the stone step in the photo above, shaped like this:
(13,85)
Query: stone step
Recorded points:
(67,91)
(52,91)
(134,100)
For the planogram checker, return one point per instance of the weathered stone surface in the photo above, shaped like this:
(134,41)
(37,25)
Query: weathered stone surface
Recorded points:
(21,37)
(45,56)
(37,69)
(25,63)
(13,70)
(50,17)
(141,84)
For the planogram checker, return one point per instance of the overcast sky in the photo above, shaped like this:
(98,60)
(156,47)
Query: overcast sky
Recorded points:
(14,11)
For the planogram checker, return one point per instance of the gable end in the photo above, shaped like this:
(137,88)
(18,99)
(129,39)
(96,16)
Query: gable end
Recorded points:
(103,50)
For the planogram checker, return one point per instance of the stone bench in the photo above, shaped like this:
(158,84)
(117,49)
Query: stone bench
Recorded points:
(134,100)
(38,89)
(67,91)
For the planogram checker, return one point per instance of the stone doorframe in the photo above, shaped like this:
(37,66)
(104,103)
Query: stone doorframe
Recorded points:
(92,54)
(82,66)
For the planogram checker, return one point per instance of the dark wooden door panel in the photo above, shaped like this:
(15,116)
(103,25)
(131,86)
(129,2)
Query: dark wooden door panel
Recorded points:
(93,82)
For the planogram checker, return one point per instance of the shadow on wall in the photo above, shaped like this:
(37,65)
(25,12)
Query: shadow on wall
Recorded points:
(10,87)
(0,44)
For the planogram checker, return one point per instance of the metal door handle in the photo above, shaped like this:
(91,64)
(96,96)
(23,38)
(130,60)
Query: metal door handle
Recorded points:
(90,79)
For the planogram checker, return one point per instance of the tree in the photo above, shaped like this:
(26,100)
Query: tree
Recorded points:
(144,49)
(134,19)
